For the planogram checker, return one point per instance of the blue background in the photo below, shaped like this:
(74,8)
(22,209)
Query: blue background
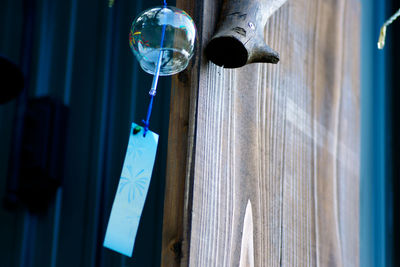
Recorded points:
(79,53)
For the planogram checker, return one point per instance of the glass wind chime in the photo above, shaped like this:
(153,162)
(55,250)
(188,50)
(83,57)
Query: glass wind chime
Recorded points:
(162,39)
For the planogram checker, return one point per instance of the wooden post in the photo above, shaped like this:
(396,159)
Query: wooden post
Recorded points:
(271,150)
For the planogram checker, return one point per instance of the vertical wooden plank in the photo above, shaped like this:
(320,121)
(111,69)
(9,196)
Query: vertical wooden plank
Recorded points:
(349,136)
(284,137)
(181,139)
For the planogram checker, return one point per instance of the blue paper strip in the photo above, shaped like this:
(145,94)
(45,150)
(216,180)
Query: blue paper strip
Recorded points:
(131,193)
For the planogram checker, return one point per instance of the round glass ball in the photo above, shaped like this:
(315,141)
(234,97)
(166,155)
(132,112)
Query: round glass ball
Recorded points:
(178,44)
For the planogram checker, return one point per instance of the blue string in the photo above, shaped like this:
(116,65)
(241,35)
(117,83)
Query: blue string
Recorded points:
(146,123)
(153,89)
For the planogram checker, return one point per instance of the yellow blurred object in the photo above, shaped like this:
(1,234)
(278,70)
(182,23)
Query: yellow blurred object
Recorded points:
(382,35)
(110,3)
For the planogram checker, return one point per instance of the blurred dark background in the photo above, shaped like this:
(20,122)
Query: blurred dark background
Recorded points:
(393,187)
(380,137)
(63,137)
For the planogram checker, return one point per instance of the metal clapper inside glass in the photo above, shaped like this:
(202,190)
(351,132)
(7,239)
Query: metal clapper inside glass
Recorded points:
(162,39)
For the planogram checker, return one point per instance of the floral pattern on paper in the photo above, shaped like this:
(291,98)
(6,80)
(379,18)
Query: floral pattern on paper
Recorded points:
(134,184)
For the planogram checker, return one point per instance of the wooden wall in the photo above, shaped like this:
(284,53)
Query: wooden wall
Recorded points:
(263,161)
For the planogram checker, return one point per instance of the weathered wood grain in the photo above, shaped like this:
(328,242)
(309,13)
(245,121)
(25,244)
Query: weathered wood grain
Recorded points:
(284,137)
(247,246)
(180,150)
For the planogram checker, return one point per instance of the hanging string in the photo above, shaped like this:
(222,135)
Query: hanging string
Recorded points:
(153,89)
(382,35)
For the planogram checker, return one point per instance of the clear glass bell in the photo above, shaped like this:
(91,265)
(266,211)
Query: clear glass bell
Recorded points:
(178,44)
